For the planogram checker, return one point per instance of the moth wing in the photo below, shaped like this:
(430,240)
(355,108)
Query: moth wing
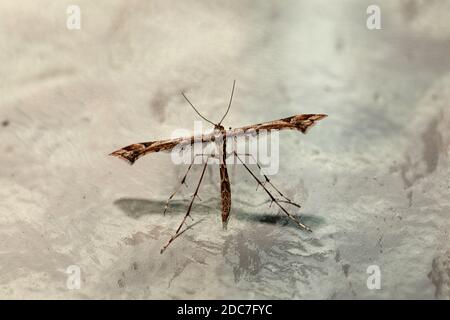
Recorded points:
(301,122)
(136,150)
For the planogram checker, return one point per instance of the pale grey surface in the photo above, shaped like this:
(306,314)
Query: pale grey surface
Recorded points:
(373,177)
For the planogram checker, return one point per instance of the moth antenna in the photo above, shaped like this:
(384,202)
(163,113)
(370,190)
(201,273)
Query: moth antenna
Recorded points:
(182,93)
(229,105)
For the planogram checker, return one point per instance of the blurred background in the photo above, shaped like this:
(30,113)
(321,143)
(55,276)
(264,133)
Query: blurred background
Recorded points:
(373,178)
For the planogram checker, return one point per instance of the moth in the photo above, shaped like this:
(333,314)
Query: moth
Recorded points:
(219,136)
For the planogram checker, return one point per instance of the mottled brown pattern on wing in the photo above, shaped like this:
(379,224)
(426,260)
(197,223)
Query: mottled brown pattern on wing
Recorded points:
(300,122)
(134,151)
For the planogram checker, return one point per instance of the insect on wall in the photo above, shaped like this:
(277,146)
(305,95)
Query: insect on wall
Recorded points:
(219,139)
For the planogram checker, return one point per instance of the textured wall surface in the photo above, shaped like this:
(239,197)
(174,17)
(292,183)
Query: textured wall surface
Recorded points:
(373,178)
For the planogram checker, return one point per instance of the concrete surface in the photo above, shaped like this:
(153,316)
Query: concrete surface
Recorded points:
(373,178)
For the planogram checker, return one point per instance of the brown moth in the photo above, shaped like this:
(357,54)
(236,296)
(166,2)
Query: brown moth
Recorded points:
(219,136)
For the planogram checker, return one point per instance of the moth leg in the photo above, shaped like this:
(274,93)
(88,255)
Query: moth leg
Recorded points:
(268,181)
(272,198)
(178,232)
(183,182)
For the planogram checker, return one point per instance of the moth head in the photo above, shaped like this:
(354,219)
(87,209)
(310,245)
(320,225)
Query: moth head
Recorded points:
(219,127)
